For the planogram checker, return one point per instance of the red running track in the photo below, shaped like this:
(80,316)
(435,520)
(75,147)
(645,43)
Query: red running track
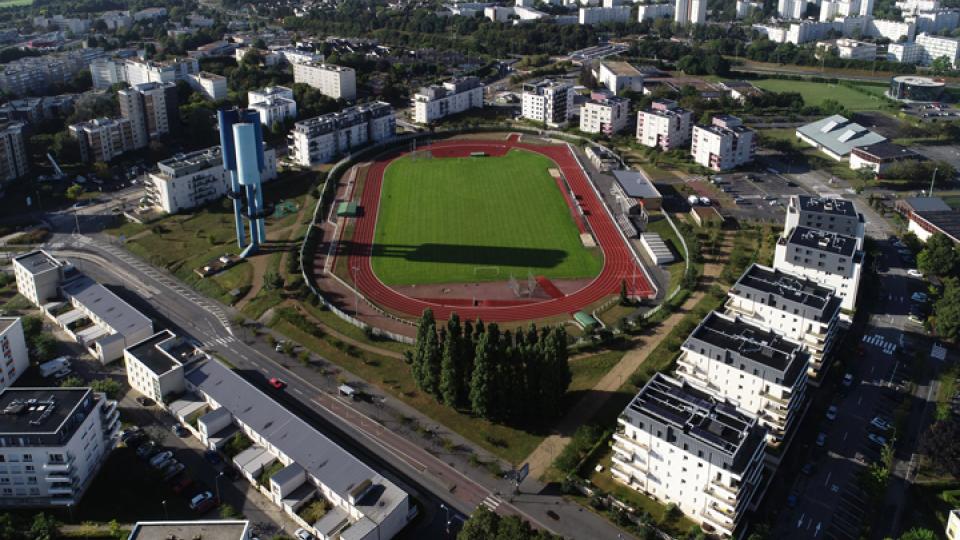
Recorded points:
(619,263)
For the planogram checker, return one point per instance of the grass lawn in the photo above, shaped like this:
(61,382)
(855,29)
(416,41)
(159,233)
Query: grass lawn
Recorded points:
(14,3)
(588,371)
(661,226)
(441,220)
(952,200)
(815,93)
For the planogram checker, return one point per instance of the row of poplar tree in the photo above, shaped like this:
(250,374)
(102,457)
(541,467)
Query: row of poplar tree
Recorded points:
(500,376)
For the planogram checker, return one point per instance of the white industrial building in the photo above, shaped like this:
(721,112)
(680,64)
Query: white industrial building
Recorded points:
(797,308)
(85,310)
(210,85)
(850,49)
(831,259)
(723,145)
(619,76)
(548,101)
(274,104)
(836,136)
(431,103)
(607,116)
(665,125)
(680,445)
(321,139)
(53,442)
(658,250)
(187,181)
(752,367)
(13,351)
(338,82)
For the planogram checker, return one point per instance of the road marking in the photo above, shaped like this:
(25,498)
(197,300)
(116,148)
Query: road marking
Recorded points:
(827,480)
(491,502)
(297,390)
(859,400)
(845,433)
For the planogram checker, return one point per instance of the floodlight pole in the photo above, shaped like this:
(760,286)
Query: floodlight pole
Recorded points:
(932,179)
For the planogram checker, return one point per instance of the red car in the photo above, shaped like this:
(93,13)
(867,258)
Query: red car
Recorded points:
(181,483)
(277,383)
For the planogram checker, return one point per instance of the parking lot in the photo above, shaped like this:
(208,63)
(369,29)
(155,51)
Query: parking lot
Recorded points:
(759,196)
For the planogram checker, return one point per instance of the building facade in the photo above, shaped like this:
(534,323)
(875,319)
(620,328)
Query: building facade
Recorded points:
(723,145)
(338,82)
(53,442)
(432,103)
(826,214)
(155,365)
(103,139)
(14,358)
(151,109)
(548,101)
(690,12)
(828,258)
(619,77)
(607,116)
(665,125)
(321,139)
(680,445)
(14,161)
(797,308)
(210,85)
(274,104)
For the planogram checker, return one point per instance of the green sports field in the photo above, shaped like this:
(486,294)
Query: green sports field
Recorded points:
(456,220)
(815,93)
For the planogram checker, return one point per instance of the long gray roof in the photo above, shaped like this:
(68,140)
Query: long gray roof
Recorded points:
(839,135)
(318,455)
(123,318)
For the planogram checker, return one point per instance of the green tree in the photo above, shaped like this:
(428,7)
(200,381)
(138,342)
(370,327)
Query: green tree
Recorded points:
(917,533)
(44,527)
(481,383)
(272,281)
(946,310)
(940,65)
(450,375)
(482,525)
(418,357)
(74,192)
(227,511)
(108,386)
(938,257)
(72,382)
(431,365)
(43,346)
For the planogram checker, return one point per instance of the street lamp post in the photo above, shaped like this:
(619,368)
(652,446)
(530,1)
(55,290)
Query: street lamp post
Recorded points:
(165,512)
(447,510)
(356,293)
(217,484)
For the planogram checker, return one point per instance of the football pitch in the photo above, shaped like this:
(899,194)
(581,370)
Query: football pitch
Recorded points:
(461,220)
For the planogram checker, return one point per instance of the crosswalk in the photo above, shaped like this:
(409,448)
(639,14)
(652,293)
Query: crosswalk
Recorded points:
(887,347)
(158,276)
(492,502)
(218,341)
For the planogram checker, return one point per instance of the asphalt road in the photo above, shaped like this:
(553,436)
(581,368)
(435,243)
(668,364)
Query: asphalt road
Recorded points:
(435,483)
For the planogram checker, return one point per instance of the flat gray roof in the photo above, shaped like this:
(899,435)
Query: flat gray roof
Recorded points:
(110,308)
(318,455)
(7,322)
(636,184)
(37,261)
(927,204)
(151,355)
(38,410)
(824,241)
(190,530)
(839,135)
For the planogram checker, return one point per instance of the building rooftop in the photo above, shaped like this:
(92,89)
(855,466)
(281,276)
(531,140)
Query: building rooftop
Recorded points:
(826,205)
(39,410)
(320,457)
(120,316)
(884,151)
(927,204)
(37,262)
(692,419)
(191,162)
(947,222)
(636,184)
(539,86)
(824,241)
(210,76)
(7,322)
(914,80)
(190,530)
(788,288)
(326,66)
(839,135)
(622,69)
(153,352)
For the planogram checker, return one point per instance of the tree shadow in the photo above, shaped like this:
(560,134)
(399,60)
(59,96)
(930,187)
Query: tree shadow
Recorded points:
(458,254)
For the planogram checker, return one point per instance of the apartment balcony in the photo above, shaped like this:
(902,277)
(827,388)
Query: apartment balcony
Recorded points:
(60,479)
(57,467)
(733,491)
(720,523)
(724,498)
(782,401)
(627,466)
(57,490)
(629,444)
(624,477)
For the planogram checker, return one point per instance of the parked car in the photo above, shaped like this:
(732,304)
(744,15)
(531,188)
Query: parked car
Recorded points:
(160,459)
(808,468)
(913,272)
(302,534)
(202,502)
(914,317)
(848,380)
(179,430)
(877,439)
(792,500)
(147,450)
(173,469)
(144,401)
(880,423)
(212,457)
(920,297)
(179,483)
(277,383)
(821,439)
(129,433)
(832,412)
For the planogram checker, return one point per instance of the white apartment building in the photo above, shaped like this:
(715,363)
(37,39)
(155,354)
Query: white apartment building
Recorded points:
(14,357)
(150,108)
(293,55)
(599,15)
(137,71)
(607,116)
(211,85)
(935,22)
(321,139)
(690,12)
(106,72)
(364,505)
(831,9)
(794,307)
(338,82)
(155,365)
(85,310)
(36,74)
(655,11)
(826,214)
(432,103)
(665,125)
(64,24)
(270,58)
(619,76)
(831,259)
(851,49)
(274,104)
(14,161)
(937,47)
(746,7)
(187,181)
(756,369)
(548,101)
(216,529)
(680,445)
(791,9)
(116,20)
(53,442)
(909,7)
(103,139)
(723,145)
